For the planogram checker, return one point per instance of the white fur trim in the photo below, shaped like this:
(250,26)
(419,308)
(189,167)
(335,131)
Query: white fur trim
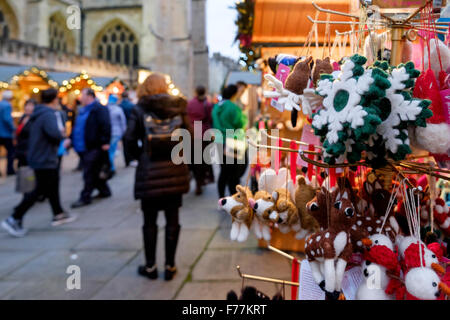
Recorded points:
(434,138)
(339,242)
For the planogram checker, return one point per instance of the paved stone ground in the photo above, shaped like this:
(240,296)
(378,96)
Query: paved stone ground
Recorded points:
(106,243)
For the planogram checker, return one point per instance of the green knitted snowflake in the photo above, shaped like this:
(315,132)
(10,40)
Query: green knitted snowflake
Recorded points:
(397,110)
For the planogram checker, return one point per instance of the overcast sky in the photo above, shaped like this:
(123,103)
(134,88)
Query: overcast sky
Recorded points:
(221,29)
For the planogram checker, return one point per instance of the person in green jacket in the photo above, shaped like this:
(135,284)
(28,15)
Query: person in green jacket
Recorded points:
(227,115)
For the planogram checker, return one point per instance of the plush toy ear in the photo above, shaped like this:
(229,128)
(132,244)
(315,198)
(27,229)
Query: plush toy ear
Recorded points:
(345,195)
(240,189)
(378,185)
(368,187)
(309,59)
(275,195)
(301,181)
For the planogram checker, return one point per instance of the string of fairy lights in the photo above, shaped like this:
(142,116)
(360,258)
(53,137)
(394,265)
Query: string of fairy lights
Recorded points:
(69,84)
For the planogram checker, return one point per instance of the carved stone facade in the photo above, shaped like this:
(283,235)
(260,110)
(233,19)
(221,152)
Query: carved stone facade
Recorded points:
(161,35)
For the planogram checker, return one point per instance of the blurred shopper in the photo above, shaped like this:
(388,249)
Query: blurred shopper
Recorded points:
(7,129)
(126,106)
(118,127)
(23,133)
(44,139)
(199,109)
(227,115)
(159,182)
(91,138)
(241,86)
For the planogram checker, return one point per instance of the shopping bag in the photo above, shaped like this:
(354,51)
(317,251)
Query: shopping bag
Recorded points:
(25,180)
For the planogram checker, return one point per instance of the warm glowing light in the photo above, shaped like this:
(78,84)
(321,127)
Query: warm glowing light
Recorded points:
(77,91)
(90,82)
(115,90)
(171,86)
(72,81)
(175,92)
(69,86)
(36,90)
(78,79)
(85,76)
(65,83)
(62,89)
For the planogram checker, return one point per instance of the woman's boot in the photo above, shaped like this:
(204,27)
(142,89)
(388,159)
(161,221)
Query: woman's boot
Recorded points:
(150,235)
(172,234)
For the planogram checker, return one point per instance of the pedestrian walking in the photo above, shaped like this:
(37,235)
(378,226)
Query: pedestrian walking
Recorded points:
(118,128)
(91,138)
(159,182)
(23,133)
(7,129)
(126,106)
(228,115)
(199,109)
(44,139)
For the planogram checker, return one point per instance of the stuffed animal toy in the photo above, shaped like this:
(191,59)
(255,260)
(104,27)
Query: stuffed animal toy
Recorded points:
(424,284)
(429,259)
(374,47)
(298,79)
(304,193)
(378,202)
(241,213)
(321,67)
(285,213)
(263,203)
(330,250)
(444,52)
(263,206)
(379,260)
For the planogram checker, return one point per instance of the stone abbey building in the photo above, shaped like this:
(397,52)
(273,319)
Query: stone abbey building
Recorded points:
(108,38)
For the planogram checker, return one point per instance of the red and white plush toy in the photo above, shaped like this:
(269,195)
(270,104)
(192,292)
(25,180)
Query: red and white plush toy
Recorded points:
(380,261)
(424,284)
(429,259)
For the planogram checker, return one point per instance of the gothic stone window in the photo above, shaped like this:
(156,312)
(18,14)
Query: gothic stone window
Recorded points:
(118,44)
(57,36)
(4,28)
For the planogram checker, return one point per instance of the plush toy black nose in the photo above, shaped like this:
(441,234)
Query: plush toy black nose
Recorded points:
(437,294)
(314,207)
(368,262)
(280,220)
(349,212)
(224,201)
(255,206)
(366,273)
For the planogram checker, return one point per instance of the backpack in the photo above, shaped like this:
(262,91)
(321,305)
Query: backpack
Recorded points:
(158,133)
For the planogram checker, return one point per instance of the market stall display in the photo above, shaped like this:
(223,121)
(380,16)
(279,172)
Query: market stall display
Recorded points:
(374,208)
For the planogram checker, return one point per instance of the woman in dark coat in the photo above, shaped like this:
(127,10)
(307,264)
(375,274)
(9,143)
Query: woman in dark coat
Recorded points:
(23,133)
(159,183)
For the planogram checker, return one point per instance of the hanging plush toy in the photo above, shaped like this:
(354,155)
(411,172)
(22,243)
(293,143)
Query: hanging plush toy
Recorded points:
(429,259)
(379,260)
(321,67)
(330,250)
(285,213)
(424,284)
(349,115)
(241,213)
(442,216)
(303,194)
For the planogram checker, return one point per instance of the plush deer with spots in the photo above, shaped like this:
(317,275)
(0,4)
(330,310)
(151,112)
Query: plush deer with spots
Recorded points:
(378,200)
(319,206)
(285,213)
(241,213)
(330,250)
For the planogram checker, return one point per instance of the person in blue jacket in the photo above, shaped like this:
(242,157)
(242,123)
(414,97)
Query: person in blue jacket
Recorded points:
(7,129)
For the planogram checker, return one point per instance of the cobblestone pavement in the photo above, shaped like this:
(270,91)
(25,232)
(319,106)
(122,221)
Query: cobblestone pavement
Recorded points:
(106,243)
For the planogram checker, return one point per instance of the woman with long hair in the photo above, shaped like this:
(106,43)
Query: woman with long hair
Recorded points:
(159,182)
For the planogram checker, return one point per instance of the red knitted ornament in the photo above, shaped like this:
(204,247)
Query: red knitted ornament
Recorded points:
(412,258)
(437,249)
(383,256)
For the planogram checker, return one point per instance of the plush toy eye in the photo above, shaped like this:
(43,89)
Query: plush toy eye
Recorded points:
(433,256)
(349,212)
(376,241)
(338,204)
(434,284)
(314,207)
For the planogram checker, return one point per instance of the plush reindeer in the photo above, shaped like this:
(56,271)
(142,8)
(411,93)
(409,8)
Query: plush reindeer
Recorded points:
(321,67)
(378,200)
(241,213)
(319,206)
(331,249)
(303,194)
